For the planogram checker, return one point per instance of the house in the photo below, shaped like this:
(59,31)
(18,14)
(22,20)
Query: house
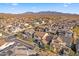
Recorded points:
(68,38)
(77,45)
(30,31)
(11,38)
(41,28)
(2,41)
(40,35)
(58,44)
(0,34)
(48,39)
(26,34)
(5,47)
(26,24)
(44,37)
(46,29)
(22,50)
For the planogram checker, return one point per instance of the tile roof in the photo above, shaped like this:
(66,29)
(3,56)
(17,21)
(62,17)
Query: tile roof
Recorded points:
(40,34)
(2,41)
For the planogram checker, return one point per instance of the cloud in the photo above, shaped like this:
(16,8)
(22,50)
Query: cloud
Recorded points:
(14,4)
(65,5)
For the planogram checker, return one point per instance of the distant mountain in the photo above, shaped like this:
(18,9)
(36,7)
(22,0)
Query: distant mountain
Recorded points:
(49,12)
(42,13)
(28,13)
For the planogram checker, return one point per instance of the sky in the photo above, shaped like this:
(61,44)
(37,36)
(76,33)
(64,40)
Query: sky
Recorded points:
(17,8)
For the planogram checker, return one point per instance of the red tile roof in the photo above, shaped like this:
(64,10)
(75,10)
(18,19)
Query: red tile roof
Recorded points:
(2,41)
(40,34)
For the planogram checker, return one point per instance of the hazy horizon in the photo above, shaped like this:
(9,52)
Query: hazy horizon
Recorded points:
(17,8)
